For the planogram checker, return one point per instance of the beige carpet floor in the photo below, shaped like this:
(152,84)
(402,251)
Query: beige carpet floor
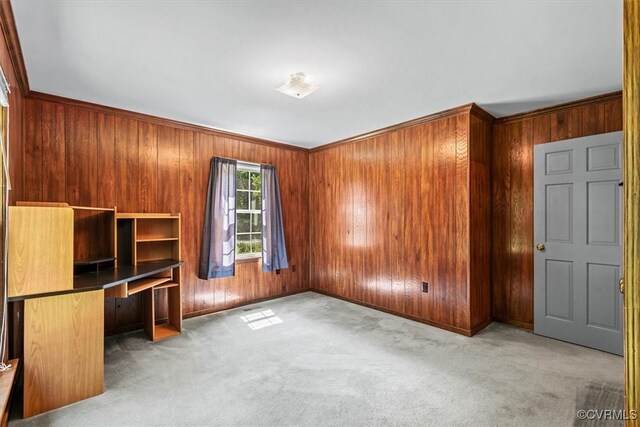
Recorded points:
(312,360)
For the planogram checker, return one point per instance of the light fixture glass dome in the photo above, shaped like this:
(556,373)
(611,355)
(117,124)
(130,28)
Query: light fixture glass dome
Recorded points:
(297,87)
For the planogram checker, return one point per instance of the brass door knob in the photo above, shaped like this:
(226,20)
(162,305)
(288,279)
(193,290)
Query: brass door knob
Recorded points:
(621,285)
(540,246)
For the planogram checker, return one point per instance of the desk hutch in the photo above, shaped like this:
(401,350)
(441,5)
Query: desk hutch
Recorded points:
(63,261)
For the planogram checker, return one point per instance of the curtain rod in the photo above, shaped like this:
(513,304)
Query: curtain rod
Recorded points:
(244,162)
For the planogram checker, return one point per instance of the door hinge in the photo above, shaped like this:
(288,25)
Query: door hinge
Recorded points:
(621,285)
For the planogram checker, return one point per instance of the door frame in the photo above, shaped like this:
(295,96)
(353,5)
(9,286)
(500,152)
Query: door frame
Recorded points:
(631,174)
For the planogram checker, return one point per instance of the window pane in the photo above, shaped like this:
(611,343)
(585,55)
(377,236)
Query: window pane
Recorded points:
(244,244)
(256,223)
(256,181)
(256,243)
(242,180)
(242,223)
(242,200)
(256,201)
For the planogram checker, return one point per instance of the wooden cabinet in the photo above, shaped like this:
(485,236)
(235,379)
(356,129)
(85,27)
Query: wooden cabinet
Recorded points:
(40,250)
(63,336)
(64,350)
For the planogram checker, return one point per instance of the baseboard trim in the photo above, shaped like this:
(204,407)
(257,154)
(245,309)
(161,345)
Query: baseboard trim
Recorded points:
(124,329)
(242,304)
(461,331)
(523,325)
(481,326)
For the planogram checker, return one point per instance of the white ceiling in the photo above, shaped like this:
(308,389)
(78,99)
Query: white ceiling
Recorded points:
(377,63)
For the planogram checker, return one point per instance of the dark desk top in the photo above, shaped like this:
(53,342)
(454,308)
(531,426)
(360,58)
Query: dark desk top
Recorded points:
(109,277)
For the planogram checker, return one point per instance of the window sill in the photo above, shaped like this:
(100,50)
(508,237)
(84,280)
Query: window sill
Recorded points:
(244,260)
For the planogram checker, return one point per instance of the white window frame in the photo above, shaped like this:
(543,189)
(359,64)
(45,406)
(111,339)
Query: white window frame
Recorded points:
(253,168)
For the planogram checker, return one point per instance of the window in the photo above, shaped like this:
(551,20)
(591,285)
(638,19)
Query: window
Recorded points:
(5,186)
(248,211)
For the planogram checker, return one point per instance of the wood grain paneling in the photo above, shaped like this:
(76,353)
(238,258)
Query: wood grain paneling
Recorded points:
(396,209)
(148,168)
(81,158)
(14,71)
(31,168)
(141,166)
(480,138)
(53,152)
(158,121)
(56,375)
(112,159)
(512,192)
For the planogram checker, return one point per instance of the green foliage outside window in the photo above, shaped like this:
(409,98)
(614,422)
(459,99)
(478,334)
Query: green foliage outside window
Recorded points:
(249,213)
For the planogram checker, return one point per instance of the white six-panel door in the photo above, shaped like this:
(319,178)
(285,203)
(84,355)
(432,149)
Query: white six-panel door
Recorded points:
(578,238)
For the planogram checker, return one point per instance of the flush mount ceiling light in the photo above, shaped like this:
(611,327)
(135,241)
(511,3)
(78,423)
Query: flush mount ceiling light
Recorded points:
(297,87)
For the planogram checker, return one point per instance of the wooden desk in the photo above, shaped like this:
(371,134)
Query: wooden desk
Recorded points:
(63,262)
(109,278)
(64,333)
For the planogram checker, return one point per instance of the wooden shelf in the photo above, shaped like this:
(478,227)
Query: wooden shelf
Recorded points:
(157,229)
(166,285)
(91,208)
(93,261)
(145,238)
(126,215)
(142,284)
(165,330)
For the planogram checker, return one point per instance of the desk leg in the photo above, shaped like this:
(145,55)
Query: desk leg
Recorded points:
(149,312)
(174,299)
(63,350)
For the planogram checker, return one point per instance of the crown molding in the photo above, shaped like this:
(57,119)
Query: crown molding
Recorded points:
(471,108)
(482,113)
(610,96)
(45,97)
(8,26)
(463,109)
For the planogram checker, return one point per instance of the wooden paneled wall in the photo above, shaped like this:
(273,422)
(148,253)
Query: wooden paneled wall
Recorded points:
(13,69)
(378,252)
(90,155)
(512,192)
(404,206)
